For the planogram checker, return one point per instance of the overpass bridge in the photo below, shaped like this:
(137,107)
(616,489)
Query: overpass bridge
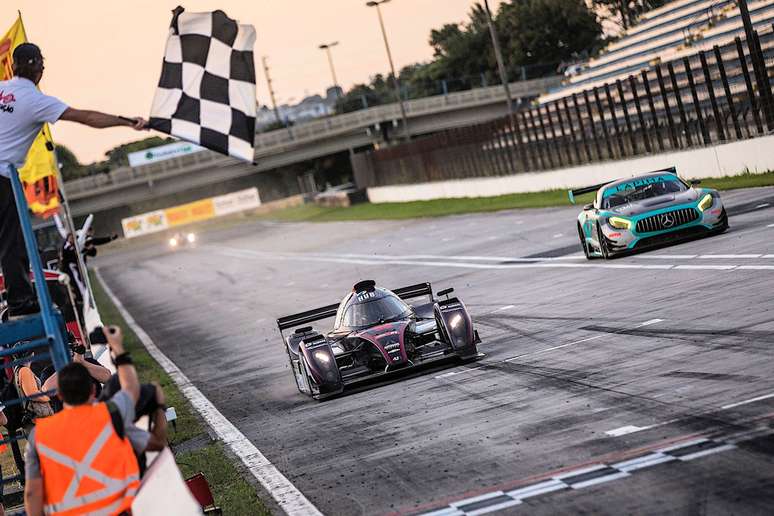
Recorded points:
(282,147)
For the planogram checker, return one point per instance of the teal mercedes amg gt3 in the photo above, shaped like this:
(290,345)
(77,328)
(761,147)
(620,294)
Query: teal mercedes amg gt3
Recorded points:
(646,211)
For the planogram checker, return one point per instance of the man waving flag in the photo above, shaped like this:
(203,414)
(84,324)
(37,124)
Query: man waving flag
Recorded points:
(38,174)
(206,94)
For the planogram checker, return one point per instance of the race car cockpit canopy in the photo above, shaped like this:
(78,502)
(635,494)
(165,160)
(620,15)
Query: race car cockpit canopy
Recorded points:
(368,305)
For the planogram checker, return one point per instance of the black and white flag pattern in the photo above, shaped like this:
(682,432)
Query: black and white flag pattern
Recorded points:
(206,94)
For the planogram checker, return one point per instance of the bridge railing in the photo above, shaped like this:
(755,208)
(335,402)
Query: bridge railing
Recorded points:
(280,139)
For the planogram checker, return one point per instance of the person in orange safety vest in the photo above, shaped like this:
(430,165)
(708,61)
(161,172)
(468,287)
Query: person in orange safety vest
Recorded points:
(79,461)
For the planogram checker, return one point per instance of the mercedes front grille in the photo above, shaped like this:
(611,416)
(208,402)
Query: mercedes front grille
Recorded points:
(667,220)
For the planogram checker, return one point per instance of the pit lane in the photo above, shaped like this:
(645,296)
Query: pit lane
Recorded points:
(587,362)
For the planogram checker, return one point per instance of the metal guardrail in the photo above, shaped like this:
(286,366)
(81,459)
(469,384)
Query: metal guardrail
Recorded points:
(281,140)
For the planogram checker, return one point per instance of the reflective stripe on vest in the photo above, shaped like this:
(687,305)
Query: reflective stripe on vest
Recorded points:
(106,477)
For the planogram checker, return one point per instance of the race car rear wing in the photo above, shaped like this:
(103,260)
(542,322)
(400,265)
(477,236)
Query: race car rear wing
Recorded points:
(588,189)
(317,314)
(414,291)
(584,190)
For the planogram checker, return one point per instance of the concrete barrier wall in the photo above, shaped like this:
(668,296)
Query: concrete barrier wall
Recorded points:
(755,155)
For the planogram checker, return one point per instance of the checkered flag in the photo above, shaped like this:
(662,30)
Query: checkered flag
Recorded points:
(206,94)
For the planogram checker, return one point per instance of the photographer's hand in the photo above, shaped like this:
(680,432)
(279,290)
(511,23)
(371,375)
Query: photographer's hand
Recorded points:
(115,340)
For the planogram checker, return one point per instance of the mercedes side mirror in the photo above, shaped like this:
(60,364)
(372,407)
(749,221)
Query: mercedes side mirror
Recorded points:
(588,207)
(695,182)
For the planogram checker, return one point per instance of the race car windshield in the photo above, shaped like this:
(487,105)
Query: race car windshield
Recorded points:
(374,311)
(640,192)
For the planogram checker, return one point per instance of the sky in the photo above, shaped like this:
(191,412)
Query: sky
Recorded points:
(106,55)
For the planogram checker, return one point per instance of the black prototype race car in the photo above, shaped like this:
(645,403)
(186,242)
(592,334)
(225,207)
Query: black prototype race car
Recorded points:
(376,332)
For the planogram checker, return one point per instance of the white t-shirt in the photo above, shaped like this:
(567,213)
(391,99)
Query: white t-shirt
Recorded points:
(23,111)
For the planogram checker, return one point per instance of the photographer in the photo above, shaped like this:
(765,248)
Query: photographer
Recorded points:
(63,448)
(99,374)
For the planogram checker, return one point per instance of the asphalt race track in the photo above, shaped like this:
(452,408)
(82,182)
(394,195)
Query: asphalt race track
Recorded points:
(642,385)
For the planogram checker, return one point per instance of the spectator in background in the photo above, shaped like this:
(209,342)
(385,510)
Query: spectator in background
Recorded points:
(79,460)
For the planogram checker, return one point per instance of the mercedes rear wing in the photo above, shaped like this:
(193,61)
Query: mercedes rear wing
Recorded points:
(324,312)
(588,189)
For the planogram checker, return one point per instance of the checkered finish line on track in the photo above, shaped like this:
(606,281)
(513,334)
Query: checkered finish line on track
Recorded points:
(589,476)
(206,94)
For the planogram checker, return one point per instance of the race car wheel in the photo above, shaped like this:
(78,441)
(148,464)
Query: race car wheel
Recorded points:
(723,221)
(584,244)
(603,249)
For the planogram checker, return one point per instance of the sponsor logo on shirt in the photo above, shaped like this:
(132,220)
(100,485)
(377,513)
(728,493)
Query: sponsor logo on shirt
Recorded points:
(6,102)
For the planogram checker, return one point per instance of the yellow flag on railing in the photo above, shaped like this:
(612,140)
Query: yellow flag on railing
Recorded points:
(39,171)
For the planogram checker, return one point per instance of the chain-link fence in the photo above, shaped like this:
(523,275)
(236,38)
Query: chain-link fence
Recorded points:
(714,96)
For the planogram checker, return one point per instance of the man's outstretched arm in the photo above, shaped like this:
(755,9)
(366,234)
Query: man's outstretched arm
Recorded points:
(101,120)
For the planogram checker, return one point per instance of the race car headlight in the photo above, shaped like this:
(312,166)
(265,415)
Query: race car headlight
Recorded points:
(620,222)
(191,238)
(705,202)
(322,357)
(173,242)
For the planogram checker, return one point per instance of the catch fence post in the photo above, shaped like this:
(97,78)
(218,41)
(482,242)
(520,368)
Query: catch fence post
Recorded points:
(640,116)
(711,91)
(625,107)
(680,107)
(545,138)
(696,103)
(605,133)
(611,107)
(578,115)
(576,148)
(727,91)
(652,107)
(590,113)
(748,85)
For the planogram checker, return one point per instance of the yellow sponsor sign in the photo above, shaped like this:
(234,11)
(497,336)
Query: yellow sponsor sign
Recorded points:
(191,212)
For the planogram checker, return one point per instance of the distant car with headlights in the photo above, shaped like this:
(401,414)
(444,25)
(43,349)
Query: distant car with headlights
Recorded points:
(375,333)
(646,211)
(178,240)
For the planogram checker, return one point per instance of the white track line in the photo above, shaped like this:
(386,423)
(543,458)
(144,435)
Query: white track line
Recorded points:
(630,429)
(465,262)
(745,402)
(287,496)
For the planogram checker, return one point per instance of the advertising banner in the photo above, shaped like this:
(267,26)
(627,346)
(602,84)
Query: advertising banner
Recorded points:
(236,202)
(145,224)
(196,211)
(161,153)
(191,212)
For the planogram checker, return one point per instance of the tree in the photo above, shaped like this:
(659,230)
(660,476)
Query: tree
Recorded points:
(69,165)
(547,32)
(625,13)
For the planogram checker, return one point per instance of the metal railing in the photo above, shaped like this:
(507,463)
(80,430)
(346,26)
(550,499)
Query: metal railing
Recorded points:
(281,140)
(704,99)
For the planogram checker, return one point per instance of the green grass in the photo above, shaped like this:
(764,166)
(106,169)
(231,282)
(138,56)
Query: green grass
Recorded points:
(232,492)
(442,207)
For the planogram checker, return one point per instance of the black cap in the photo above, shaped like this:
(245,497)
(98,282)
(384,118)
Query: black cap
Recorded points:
(27,53)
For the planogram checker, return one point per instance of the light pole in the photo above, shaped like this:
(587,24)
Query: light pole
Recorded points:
(327,47)
(377,3)
(499,57)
